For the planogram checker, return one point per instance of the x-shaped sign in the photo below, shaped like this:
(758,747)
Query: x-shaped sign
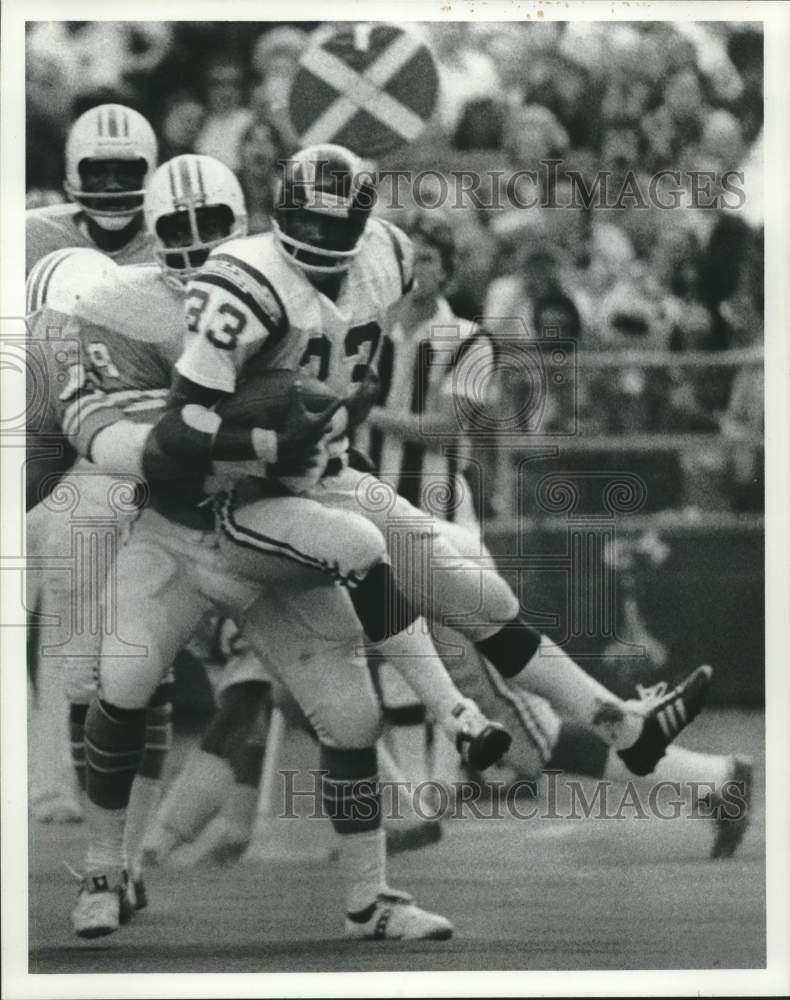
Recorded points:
(363,91)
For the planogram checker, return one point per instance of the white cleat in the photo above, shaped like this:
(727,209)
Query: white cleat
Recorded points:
(103,904)
(394,916)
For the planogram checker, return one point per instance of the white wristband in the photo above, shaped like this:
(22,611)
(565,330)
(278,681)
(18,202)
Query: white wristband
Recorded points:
(265,444)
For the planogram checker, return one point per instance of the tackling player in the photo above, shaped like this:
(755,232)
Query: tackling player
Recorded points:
(111,152)
(171,573)
(314,296)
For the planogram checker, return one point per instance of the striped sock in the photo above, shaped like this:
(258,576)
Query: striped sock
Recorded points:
(77,715)
(114,746)
(350,790)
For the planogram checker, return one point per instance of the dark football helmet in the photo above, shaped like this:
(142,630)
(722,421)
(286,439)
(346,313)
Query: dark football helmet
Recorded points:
(323,206)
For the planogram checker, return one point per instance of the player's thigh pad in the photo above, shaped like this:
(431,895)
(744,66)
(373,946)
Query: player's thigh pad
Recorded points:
(302,531)
(157,604)
(311,641)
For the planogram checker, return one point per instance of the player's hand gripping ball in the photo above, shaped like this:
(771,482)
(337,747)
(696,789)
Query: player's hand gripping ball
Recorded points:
(299,408)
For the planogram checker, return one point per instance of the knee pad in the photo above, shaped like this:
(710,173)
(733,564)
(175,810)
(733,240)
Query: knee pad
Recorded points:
(349,721)
(81,679)
(360,545)
(129,682)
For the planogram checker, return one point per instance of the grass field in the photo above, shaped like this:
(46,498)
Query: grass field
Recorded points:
(543,894)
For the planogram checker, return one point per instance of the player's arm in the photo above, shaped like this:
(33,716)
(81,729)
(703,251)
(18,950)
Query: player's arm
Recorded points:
(231,315)
(95,426)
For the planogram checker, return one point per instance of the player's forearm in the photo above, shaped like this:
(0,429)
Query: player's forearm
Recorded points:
(184,443)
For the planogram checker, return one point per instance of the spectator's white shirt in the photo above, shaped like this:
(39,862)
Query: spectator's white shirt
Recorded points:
(100,54)
(473,76)
(220,136)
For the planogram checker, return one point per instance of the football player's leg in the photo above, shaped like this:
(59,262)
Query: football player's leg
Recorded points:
(310,644)
(285,537)
(65,652)
(146,788)
(157,606)
(467,593)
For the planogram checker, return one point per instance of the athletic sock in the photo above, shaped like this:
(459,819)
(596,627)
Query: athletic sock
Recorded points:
(114,743)
(413,654)
(363,865)
(573,693)
(77,714)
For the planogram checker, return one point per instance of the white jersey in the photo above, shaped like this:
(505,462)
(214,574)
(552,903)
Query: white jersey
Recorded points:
(251,300)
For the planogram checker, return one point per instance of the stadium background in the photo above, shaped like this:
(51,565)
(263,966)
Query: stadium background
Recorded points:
(686,286)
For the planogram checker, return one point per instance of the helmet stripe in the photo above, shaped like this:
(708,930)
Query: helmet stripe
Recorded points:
(125,119)
(172,175)
(186,179)
(39,278)
(100,121)
(201,186)
(112,123)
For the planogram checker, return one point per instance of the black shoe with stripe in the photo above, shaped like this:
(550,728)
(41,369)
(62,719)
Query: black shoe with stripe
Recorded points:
(481,750)
(666,718)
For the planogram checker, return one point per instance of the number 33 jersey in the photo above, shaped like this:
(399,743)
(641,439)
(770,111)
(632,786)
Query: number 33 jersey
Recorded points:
(250,299)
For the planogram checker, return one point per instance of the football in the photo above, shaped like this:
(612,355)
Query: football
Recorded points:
(263,397)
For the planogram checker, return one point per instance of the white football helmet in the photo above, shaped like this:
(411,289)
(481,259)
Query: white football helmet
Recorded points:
(186,184)
(109,132)
(61,278)
(324,202)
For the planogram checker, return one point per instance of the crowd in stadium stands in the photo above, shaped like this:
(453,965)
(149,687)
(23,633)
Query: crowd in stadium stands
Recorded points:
(631,99)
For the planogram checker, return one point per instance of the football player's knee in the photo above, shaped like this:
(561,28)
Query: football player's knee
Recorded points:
(81,678)
(129,682)
(362,545)
(350,723)
(500,604)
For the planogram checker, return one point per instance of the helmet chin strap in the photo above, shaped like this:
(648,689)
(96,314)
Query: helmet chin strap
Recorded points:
(113,223)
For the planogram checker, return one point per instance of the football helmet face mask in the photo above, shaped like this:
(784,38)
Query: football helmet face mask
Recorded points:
(193,204)
(322,209)
(111,153)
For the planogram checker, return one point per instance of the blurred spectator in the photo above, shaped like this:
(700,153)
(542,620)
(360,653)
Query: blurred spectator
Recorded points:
(532,134)
(275,61)
(260,149)
(226,116)
(48,110)
(103,55)
(465,72)
(181,124)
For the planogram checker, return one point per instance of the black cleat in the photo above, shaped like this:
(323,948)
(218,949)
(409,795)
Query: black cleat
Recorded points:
(666,718)
(732,808)
(485,748)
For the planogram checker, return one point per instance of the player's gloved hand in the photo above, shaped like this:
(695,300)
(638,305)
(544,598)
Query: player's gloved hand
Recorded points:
(299,443)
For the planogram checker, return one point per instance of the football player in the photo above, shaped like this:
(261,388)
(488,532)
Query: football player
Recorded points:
(111,153)
(541,739)
(171,573)
(314,296)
